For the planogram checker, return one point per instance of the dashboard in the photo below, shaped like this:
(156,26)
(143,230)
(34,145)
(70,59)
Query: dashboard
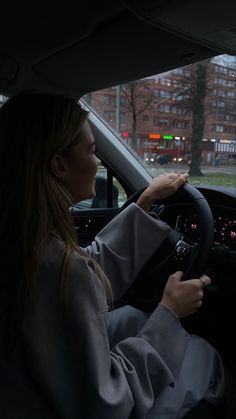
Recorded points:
(224,226)
(181,216)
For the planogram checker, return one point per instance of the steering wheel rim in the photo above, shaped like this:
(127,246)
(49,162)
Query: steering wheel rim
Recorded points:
(200,251)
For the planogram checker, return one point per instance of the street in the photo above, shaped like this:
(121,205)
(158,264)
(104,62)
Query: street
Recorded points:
(183,168)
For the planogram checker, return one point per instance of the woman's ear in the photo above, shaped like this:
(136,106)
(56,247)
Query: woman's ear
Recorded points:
(58,167)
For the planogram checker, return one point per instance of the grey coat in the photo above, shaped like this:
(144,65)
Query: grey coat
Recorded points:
(80,361)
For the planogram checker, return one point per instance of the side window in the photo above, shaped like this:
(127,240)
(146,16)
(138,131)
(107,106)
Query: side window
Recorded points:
(109,192)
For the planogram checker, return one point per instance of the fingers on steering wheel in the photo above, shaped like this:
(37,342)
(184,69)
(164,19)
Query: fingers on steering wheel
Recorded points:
(180,180)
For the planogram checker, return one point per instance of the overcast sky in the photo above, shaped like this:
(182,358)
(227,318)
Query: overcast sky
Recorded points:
(227,60)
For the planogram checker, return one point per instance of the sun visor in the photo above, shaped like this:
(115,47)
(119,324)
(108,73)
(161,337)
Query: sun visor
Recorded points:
(209,23)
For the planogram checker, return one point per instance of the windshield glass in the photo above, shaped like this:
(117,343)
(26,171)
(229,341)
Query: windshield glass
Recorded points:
(181,120)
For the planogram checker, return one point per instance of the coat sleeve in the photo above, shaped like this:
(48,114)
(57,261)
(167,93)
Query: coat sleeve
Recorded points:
(68,353)
(125,244)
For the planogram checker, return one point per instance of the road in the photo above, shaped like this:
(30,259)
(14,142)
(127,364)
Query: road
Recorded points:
(158,169)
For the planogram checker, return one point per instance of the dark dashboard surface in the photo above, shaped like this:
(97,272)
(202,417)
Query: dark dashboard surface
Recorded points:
(224,225)
(181,216)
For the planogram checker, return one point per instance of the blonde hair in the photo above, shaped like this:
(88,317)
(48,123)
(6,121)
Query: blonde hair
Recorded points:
(33,203)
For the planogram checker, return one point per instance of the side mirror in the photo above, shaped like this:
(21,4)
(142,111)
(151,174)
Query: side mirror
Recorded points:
(101,187)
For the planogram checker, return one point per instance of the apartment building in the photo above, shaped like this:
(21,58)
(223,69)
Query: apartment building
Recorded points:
(158,111)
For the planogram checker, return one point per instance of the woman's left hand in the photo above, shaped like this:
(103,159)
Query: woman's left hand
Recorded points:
(160,188)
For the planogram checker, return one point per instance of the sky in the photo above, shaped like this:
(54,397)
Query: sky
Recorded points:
(227,60)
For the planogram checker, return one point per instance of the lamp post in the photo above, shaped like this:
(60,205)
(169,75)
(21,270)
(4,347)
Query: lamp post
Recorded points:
(118,88)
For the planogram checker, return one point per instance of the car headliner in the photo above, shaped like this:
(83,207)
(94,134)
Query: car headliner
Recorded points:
(72,49)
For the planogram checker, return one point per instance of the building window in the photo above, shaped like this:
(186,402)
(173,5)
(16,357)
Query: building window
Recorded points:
(164,123)
(164,108)
(164,94)
(109,100)
(122,117)
(110,116)
(165,82)
(177,109)
(155,121)
(232,73)
(177,83)
(219,128)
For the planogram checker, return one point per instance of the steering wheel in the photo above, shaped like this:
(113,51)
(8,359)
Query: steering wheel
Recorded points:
(177,252)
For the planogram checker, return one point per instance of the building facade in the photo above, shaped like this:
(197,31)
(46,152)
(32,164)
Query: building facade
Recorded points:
(155,115)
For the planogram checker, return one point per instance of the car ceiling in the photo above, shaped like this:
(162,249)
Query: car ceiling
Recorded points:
(67,48)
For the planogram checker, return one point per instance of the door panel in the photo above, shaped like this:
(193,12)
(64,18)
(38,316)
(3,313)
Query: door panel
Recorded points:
(89,222)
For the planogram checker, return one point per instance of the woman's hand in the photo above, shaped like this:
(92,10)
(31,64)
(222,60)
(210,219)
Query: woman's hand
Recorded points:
(184,297)
(161,187)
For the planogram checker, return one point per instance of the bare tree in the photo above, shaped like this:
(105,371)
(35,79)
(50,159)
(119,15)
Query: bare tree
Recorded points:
(201,99)
(199,88)
(189,93)
(207,101)
(192,89)
(138,98)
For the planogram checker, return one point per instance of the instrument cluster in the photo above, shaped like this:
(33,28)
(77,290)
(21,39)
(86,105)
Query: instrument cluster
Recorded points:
(224,227)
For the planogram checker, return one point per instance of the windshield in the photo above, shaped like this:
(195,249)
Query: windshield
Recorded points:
(181,120)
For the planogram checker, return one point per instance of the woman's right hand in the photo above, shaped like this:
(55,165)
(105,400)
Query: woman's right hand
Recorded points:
(161,188)
(184,297)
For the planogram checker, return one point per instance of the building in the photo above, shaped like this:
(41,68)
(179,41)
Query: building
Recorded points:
(162,117)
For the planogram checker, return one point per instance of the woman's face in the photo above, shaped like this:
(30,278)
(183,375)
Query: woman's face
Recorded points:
(81,166)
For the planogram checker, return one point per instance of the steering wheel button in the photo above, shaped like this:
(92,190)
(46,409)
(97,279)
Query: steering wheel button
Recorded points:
(181,249)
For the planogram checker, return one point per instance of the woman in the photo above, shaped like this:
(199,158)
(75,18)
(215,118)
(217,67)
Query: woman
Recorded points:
(63,353)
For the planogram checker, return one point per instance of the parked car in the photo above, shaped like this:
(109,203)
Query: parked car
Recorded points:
(149,159)
(104,46)
(163,158)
